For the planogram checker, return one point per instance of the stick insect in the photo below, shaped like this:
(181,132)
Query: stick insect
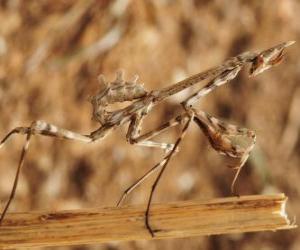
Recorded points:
(222,136)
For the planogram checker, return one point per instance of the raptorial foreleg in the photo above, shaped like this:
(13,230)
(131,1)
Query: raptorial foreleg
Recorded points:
(227,139)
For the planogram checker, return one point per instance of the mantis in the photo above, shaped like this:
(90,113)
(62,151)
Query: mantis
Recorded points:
(222,137)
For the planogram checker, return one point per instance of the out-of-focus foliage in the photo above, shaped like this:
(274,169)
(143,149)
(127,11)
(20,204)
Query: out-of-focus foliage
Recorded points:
(50,55)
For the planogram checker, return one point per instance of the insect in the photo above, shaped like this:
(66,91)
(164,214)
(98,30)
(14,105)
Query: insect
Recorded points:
(223,137)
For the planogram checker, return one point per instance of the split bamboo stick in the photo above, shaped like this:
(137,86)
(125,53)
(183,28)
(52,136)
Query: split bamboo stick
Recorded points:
(173,220)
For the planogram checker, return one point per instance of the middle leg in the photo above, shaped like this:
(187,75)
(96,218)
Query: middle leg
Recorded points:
(143,140)
(165,162)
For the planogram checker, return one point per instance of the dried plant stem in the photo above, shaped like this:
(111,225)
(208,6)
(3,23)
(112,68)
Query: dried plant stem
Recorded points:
(173,220)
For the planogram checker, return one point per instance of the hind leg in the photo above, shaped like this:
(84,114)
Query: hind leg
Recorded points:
(41,128)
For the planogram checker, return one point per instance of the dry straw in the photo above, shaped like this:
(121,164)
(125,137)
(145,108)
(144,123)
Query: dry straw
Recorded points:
(173,220)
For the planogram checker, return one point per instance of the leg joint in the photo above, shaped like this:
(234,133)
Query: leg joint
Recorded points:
(132,140)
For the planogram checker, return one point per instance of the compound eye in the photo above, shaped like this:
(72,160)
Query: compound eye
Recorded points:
(257,66)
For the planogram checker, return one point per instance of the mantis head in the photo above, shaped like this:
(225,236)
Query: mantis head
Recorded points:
(268,58)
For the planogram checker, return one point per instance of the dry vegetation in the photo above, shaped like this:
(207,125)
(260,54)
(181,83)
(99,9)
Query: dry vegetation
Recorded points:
(50,55)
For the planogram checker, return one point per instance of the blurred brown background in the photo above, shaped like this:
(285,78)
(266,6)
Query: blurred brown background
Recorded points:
(50,55)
